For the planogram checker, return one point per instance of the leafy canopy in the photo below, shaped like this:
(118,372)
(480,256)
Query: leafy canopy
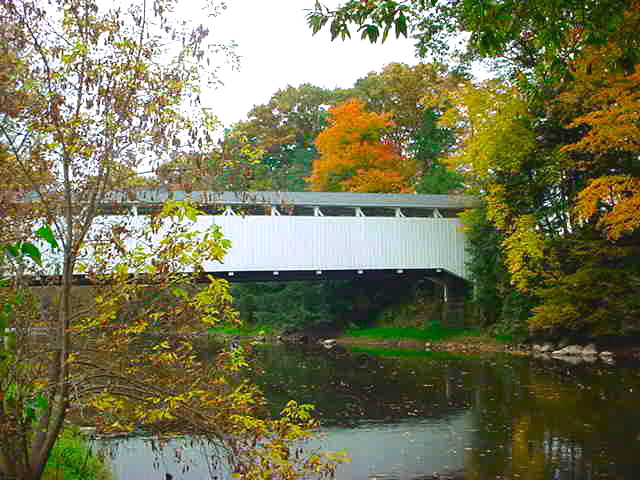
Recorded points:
(357,157)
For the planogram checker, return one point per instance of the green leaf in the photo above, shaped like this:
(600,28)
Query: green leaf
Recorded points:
(401,26)
(12,250)
(179,292)
(29,414)
(46,234)
(40,401)
(371,32)
(11,392)
(30,250)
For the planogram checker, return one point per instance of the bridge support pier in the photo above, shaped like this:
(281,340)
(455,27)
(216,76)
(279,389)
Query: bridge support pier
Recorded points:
(454,312)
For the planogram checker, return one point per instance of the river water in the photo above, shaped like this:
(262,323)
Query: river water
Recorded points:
(410,415)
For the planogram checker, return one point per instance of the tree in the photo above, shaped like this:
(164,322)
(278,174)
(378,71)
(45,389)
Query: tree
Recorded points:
(283,131)
(529,34)
(551,148)
(608,90)
(356,156)
(531,177)
(90,95)
(406,92)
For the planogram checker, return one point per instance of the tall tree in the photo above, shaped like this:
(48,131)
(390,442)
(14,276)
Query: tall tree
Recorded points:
(283,132)
(356,155)
(89,95)
(535,35)
(553,151)
(406,92)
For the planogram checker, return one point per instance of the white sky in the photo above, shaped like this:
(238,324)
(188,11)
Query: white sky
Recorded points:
(277,50)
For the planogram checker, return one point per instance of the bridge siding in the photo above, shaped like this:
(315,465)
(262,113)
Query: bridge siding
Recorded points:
(281,243)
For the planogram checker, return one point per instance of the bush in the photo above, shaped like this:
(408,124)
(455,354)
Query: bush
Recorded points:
(72,459)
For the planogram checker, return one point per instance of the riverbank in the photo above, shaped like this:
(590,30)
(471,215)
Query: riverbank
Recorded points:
(462,345)
(432,338)
(436,339)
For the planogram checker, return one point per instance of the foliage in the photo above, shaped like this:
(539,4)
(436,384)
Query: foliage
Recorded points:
(520,32)
(290,304)
(281,133)
(72,459)
(356,156)
(90,94)
(439,180)
(405,92)
(274,148)
(548,183)
(609,92)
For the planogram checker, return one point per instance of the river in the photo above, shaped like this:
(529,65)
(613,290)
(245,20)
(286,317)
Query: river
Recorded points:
(410,415)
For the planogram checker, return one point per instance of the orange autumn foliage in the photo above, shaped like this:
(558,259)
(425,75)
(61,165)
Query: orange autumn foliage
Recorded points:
(619,196)
(613,98)
(356,157)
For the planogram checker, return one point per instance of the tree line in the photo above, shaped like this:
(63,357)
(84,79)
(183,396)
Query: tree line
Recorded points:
(550,145)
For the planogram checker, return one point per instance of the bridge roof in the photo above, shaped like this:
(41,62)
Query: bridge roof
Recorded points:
(310,199)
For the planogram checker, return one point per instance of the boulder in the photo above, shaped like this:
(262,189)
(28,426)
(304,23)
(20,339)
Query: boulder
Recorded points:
(544,348)
(568,351)
(590,350)
(547,347)
(328,343)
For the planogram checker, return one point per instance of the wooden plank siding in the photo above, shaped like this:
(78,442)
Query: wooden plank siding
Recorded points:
(280,243)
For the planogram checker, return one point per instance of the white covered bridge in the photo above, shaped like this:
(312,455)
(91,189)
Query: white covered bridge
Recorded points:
(308,235)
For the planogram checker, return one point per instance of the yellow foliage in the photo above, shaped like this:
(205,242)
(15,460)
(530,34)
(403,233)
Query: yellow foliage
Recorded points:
(492,122)
(497,208)
(525,252)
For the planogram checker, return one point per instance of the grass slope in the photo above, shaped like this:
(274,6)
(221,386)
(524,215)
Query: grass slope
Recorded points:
(430,334)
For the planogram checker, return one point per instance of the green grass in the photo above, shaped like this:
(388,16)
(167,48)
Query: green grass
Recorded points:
(430,334)
(504,339)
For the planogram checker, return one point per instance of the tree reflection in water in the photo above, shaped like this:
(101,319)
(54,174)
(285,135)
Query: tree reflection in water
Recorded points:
(485,418)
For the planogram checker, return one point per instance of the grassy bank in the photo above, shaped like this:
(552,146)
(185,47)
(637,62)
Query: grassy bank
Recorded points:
(72,459)
(432,334)
(432,338)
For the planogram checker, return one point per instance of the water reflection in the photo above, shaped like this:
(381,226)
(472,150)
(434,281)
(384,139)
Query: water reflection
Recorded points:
(401,450)
(143,458)
(482,419)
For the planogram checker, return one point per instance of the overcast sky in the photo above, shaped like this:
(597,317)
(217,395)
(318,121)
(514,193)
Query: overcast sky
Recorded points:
(277,50)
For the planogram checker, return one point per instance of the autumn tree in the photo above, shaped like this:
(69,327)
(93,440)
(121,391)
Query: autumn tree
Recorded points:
(89,96)
(356,156)
(531,177)
(611,96)
(282,133)
(406,92)
(552,148)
